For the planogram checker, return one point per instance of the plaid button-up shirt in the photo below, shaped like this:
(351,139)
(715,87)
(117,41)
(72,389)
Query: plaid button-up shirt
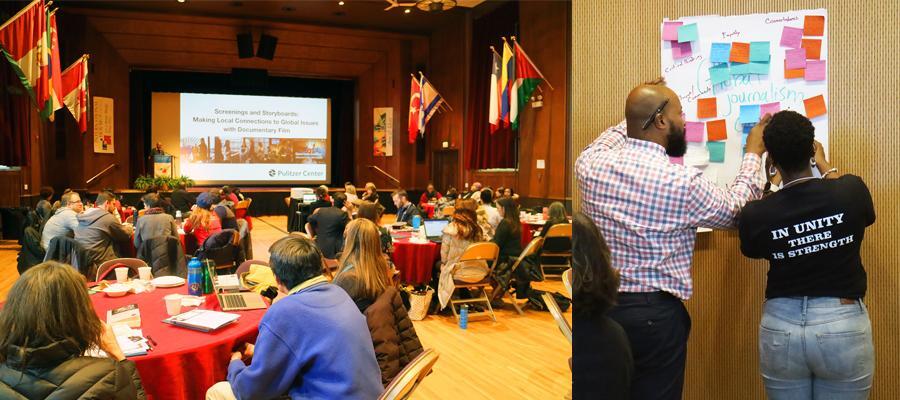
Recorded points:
(648,209)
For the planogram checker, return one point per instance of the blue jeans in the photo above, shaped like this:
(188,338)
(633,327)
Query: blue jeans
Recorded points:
(816,348)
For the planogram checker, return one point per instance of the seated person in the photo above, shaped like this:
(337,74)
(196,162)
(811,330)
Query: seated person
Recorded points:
(473,191)
(350,191)
(332,358)
(44,207)
(364,271)
(327,226)
(461,232)
(470,204)
(490,212)
(508,192)
(556,215)
(224,209)
(202,222)
(64,220)
(405,208)
(99,231)
(181,199)
(229,196)
(509,237)
(450,195)
(47,327)
(430,195)
(371,193)
(321,199)
(373,212)
(154,223)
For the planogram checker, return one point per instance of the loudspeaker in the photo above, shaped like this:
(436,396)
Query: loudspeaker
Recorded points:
(249,78)
(245,45)
(266,47)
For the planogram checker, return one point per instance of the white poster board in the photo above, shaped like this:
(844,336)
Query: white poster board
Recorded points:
(690,69)
(104,130)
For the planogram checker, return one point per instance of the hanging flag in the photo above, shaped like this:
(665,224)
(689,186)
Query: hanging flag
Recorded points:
(528,77)
(507,74)
(23,42)
(494,108)
(56,93)
(415,108)
(74,82)
(431,100)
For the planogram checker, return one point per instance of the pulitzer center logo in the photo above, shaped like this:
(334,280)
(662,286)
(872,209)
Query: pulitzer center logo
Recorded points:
(272,173)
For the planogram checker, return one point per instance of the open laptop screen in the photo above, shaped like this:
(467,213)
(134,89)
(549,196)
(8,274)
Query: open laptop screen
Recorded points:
(434,227)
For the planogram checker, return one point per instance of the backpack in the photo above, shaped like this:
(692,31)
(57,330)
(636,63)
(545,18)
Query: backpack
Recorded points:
(537,302)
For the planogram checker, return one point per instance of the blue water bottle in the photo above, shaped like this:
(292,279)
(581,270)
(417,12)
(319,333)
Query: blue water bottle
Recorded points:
(464,316)
(416,221)
(195,277)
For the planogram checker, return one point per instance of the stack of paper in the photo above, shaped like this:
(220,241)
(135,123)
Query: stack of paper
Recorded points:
(202,320)
(128,315)
(131,341)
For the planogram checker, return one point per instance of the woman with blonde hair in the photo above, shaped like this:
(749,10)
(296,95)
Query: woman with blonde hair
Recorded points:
(457,236)
(47,328)
(481,216)
(350,191)
(364,270)
(202,222)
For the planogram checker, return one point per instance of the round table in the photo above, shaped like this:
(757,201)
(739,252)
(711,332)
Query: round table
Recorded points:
(415,260)
(184,363)
(528,228)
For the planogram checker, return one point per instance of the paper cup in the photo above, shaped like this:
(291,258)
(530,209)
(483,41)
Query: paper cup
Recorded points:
(122,274)
(144,273)
(173,304)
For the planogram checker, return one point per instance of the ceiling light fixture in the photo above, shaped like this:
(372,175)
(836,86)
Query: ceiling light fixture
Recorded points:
(340,3)
(407,11)
(181,1)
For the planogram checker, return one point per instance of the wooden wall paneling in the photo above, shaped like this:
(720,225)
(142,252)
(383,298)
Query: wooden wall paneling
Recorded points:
(11,184)
(616,46)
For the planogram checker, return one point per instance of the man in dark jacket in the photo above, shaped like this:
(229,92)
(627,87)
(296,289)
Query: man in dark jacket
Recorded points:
(327,225)
(98,230)
(154,223)
(181,199)
(405,208)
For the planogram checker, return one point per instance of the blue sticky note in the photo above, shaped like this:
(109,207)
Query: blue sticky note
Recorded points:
(687,33)
(759,52)
(740,69)
(719,74)
(746,128)
(719,52)
(749,114)
(716,151)
(761,68)
(744,142)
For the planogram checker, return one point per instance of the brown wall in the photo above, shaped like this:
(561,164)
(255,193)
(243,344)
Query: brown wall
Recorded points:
(617,46)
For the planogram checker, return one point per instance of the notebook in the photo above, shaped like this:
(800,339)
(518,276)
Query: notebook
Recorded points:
(202,320)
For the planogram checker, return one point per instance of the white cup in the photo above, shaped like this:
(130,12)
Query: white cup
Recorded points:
(173,304)
(122,274)
(144,273)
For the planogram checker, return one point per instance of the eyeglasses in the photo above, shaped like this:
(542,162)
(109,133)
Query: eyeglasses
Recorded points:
(652,116)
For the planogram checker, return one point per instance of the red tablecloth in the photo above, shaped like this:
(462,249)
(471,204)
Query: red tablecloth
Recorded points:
(185,363)
(528,231)
(415,260)
(429,209)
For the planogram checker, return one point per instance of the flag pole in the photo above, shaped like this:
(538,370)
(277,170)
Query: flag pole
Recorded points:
(439,93)
(18,14)
(493,50)
(532,63)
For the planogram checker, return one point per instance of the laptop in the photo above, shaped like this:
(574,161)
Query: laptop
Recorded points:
(434,229)
(234,301)
(309,198)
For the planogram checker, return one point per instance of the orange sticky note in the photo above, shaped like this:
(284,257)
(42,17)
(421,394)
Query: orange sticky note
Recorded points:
(813,48)
(792,73)
(814,25)
(815,106)
(706,108)
(740,52)
(715,130)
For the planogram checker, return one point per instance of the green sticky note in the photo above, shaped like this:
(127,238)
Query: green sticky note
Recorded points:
(719,74)
(716,151)
(740,69)
(687,33)
(759,52)
(761,68)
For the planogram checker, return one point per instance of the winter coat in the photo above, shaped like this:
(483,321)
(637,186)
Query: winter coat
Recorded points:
(67,251)
(164,255)
(97,232)
(393,334)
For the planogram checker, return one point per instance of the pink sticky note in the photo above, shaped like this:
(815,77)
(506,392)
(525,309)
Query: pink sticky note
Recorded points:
(795,58)
(792,37)
(677,160)
(693,131)
(681,50)
(815,70)
(769,108)
(670,30)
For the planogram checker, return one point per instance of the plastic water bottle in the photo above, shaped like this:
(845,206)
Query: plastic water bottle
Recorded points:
(195,277)
(178,217)
(464,316)
(416,221)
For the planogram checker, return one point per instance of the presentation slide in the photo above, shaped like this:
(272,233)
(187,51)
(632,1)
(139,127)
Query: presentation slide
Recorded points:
(240,139)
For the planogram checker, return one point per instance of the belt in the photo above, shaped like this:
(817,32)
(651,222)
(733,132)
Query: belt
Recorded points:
(648,296)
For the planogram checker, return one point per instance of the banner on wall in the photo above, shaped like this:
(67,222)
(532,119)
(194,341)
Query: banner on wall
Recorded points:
(103,125)
(384,128)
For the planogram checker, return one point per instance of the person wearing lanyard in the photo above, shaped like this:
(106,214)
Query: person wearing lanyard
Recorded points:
(312,343)
(648,209)
(815,338)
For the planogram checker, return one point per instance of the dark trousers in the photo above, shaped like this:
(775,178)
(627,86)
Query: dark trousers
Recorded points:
(657,325)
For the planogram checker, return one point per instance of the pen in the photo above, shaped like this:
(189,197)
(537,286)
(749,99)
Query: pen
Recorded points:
(152,342)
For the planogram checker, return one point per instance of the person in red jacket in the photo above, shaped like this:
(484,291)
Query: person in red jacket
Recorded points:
(431,195)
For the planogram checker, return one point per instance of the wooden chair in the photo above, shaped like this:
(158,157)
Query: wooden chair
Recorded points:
(558,231)
(529,250)
(567,281)
(132,263)
(561,321)
(331,268)
(240,212)
(402,386)
(448,211)
(488,252)
(244,269)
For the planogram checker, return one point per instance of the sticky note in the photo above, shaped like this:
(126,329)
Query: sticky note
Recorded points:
(719,52)
(815,106)
(740,69)
(693,131)
(740,52)
(814,25)
(749,114)
(746,128)
(715,130)
(687,33)
(795,58)
(706,107)
(670,30)
(769,108)
(676,160)
(790,37)
(792,73)
(813,48)
(716,151)
(759,52)
(815,70)
(681,50)
(761,68)
(719,74)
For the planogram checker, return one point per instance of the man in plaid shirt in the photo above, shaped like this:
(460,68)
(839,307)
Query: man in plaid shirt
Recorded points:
(648,209)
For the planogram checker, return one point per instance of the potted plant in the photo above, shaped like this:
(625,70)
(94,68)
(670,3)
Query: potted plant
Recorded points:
(143,182)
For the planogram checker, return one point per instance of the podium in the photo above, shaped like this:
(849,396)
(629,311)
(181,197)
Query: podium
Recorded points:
(162,165)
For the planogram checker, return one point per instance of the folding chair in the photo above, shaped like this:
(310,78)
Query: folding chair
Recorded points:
(402,386)
(132,263)
(561,321)
(240,212)
(530,250)
(560,236)
(488,252)
(567,281)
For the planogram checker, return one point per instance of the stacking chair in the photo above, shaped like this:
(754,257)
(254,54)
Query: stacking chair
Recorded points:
(132,263)
(529,251)
(488,252)
(567,281)
(561,321)
(402,386)
(240,212)
(560,238)
(448,211)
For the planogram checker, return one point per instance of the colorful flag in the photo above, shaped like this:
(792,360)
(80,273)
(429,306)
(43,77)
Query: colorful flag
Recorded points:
(56,93)
(507,75)
(415,107)
(74,82)
(494,108)
(24,43)
(431,100)
(528,77)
